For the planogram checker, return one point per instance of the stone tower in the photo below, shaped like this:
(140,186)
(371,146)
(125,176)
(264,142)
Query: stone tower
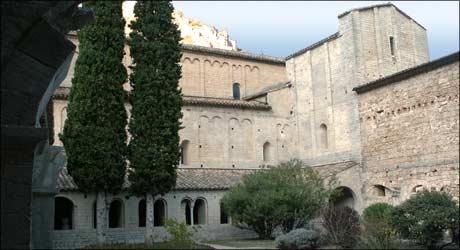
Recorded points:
(372,42)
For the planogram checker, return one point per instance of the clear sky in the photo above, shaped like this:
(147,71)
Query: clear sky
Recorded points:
(281,28)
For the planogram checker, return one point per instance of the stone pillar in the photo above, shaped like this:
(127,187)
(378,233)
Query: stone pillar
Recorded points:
(48,162)
(192,205)
(18,149)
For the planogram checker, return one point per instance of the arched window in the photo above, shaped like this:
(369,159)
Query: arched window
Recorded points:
(94,214)
(159,213)
(116,214)
(186,206)
(379,190)
(184,152)
(63,213)
(223,215)
(142,208)
(323,138)
(199,212)
(236,91)
(267,152)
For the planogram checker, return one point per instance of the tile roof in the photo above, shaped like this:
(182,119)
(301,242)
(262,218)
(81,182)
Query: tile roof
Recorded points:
(404,74)
(315,45)
(224,52)
(268,89)
(209,179)
(224,102)
(187,179)
(331,169)
(62,93)
(232,53)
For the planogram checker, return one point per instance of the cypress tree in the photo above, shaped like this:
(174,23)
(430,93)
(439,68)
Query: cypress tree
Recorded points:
(94,134)
(156,103)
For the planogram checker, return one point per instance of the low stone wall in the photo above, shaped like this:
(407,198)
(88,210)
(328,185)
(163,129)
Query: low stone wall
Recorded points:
(71,239)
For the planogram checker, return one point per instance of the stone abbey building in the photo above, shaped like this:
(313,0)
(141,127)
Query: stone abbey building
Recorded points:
(365,106)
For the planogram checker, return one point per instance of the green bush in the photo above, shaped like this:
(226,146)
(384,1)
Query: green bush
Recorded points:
(300,238)
(287,196)
(178,231)
(342,226)
(378,233)
(378,211)
(425,216)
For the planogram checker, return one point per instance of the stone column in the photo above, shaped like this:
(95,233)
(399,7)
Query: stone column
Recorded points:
(192,204)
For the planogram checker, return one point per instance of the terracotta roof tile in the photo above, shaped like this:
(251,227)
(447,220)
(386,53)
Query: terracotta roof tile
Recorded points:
(231,53)
(187,179)
(225,102)
(62,93)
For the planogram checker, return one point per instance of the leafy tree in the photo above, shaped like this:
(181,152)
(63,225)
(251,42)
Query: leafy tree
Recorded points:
(94,134)
(425,216)
(287,196)
(156,103)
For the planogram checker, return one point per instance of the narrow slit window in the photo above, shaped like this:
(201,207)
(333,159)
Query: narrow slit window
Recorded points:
(392,46)
(236,91)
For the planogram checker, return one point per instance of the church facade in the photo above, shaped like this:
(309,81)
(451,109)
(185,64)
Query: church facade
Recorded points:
(364,106)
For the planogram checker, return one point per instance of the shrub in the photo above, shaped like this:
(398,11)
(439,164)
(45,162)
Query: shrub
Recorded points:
(425,216)
(178,231)
(370,241)
(287,196)
(378,211)
(298,239)
(342,226)
(378,233)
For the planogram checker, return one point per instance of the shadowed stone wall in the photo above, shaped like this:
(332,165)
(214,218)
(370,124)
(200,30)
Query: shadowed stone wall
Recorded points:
(410,135)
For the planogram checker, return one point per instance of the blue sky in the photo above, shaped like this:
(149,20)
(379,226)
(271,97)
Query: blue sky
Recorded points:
(281,28)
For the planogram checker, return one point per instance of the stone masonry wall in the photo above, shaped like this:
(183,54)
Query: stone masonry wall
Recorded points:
(83,233)
(324,76)
(226,137)
(211,74)
(410,138)
(207,74)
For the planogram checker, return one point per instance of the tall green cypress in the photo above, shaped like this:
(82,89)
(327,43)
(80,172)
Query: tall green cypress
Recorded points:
(156,103)
(94,134)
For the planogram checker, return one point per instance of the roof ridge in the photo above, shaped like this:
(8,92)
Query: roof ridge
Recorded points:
(225,52)
(314,45)
(244,54)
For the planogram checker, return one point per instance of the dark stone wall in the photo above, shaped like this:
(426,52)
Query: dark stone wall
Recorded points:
(34,60)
